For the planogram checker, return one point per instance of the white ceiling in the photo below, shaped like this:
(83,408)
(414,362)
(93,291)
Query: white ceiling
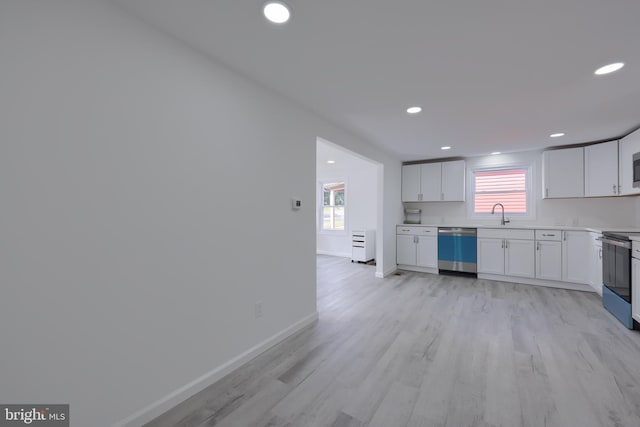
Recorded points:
(345,161)
(491,75)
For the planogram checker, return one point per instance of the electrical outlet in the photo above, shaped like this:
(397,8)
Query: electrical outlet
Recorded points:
(258,309)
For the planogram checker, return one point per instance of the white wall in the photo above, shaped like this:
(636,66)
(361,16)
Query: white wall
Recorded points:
(136,228)
(361,178)
(604,211)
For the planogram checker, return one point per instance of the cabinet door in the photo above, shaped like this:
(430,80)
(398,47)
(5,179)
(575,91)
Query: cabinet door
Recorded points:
(596,265)
(427,251)
(601,169)
(629,145)
(410,183)
(490,256)
(431,182)
(575,255)
(563,172)
(549,260)
(520,258)
(453,179)
(405,250)
(635,289)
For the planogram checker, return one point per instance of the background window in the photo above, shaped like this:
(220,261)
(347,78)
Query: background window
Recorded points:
(506,186)
(333,205)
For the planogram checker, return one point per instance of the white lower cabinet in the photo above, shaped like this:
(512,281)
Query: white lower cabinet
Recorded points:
(549,254)
(510,257)
(427,251)
(519,258)
(635,292)
(539,256)
(595,279)
(575,251)
(549,260)
(417,246)
(406,250)
(490,256)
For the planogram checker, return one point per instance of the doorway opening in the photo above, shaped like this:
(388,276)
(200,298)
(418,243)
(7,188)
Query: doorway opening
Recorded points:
(348,205)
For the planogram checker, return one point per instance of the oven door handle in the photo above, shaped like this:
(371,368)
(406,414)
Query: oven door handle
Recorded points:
(626,245)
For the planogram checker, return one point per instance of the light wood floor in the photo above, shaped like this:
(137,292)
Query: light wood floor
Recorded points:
(424,350)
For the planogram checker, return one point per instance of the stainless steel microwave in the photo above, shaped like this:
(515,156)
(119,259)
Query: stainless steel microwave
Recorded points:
(636,170)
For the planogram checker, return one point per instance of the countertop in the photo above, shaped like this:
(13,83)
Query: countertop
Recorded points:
(596,229)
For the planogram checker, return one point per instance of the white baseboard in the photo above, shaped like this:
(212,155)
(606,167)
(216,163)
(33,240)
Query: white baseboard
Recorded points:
(159,407)
(340,254)
(537,282)
(432,270)
(386,273)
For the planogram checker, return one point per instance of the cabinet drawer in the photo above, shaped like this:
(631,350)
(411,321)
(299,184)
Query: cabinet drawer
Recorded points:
(433,231)
(501,233)
(403,229)
(555,235)
(358,254)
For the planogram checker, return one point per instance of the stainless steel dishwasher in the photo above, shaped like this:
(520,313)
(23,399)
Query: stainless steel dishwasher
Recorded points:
(457,249)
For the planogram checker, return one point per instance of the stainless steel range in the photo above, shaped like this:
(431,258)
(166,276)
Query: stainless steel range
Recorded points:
(616,275)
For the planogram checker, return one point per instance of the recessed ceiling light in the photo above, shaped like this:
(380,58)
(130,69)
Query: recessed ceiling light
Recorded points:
(276,12)
(556,135)
(496,152)
(446,147)
(609,68)
(414,110)
(331,161)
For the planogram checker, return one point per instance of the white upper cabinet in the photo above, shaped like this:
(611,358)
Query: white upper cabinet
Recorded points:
(601,169)
(453,179)
(433,182)
(629,145)
(563,173)
(411,183)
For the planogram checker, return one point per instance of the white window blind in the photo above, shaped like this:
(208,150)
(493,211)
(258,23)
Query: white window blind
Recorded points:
(506,186)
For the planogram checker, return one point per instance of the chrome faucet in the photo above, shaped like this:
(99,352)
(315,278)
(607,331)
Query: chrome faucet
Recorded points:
(493,210)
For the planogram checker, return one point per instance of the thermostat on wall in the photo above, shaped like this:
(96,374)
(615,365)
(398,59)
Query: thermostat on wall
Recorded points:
(296,204)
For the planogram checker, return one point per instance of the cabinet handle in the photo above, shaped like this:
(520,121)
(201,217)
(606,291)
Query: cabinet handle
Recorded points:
(564,235)
(506,244)
(548,235)
(441,196)
(538,246)
(600,253)
(618,188)
(614,189)
(546,192)
(502,244)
